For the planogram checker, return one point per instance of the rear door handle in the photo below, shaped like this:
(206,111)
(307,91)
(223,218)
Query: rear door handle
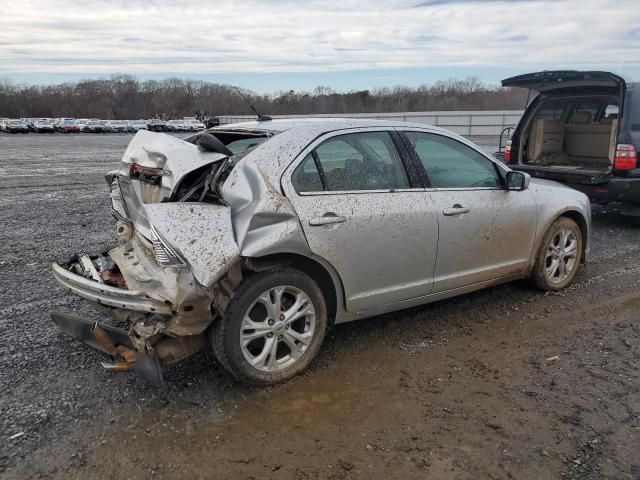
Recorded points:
(327,219)
(456,210)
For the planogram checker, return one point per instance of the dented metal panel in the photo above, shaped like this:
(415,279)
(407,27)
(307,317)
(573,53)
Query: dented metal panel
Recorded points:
(201,233)
(175,157)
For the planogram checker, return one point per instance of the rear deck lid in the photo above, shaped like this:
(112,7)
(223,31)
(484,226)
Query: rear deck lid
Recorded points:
(562,79)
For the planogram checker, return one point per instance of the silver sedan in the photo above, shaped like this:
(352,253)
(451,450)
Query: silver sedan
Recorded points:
(255,238)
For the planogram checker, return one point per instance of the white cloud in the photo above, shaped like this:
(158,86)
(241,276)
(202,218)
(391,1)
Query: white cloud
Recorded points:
(313,36)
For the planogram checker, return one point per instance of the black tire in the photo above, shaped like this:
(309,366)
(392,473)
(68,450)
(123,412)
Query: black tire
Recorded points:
(225,332)
(539,276)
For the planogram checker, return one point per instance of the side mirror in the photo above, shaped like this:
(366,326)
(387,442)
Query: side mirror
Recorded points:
(518,181)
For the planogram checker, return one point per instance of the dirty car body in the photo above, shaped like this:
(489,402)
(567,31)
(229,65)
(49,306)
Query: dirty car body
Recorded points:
(364,217)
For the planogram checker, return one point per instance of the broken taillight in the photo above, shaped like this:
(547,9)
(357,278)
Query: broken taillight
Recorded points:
(626,157)
(146,174)
(507,152)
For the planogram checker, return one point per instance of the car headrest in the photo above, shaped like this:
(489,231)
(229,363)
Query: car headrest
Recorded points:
(581,117)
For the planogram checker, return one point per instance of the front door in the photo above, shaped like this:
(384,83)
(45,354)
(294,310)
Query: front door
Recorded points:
(359,212)
(485,231)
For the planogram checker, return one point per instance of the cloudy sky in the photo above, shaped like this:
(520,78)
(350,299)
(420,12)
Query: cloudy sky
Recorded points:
(346,44)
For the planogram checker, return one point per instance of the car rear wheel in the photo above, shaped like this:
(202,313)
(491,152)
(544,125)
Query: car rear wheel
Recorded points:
(273,328)
(559,256)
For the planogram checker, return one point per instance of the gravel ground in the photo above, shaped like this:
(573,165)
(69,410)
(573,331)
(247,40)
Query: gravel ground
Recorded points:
(503,383)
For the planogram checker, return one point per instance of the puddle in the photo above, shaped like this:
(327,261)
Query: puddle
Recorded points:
(632,304)
(302,403)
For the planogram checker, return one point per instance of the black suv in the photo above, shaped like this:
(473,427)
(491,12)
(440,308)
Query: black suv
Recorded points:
(582,129)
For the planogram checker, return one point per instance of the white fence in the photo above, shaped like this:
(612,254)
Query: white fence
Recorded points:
(468,123)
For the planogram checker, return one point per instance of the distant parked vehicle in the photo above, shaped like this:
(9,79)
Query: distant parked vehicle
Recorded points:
(117,126)
(69,125)
(177,126)
(136,125)
(31,123)
(195,125)
(157,125)
(82,123)
(95,126)
(44,125)
(14,126)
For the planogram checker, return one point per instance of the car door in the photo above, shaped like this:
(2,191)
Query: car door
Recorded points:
(361,212)
(486,232)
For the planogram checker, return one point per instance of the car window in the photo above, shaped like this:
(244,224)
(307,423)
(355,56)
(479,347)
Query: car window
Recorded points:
(585,112)
(551,110)
(451,164)
(306,177)
(239,146)
(361,161)
(632,107)
(611,111)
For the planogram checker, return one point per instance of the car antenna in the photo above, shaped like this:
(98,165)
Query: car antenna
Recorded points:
(261,118)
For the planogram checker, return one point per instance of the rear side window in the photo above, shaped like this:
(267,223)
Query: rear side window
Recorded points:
(551,110)
(451,164)
(632,109)
(357,161)
(306,178)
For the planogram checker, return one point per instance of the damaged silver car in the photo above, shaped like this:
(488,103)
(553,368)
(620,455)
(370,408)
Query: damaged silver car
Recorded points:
(255,238)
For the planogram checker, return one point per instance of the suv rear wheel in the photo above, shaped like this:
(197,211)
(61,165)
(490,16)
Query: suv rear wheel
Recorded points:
(559,256)
(273,328)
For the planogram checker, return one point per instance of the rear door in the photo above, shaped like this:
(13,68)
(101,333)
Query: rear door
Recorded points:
(486,232)
(361,211)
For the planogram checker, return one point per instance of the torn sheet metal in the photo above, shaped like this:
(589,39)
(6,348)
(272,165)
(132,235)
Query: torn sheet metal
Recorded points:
(175,157)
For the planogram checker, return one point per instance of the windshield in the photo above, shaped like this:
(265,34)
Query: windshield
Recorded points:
(68,122)
(15,122)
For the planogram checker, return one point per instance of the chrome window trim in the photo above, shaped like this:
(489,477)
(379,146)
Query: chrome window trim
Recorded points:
(399,190)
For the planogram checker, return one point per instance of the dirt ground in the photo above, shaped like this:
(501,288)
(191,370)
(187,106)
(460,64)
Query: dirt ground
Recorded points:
(503,383)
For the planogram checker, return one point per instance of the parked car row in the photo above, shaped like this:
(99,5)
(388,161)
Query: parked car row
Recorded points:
(95,125)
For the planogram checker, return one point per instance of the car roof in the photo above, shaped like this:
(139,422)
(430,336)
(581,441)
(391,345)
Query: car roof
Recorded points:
(321,124)
(295,134)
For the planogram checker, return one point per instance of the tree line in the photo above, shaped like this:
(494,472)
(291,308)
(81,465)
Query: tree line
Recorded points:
(127,97)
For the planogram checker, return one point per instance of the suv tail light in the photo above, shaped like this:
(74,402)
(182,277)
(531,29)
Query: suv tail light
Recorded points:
(507,152)
(146,174)
(626,157)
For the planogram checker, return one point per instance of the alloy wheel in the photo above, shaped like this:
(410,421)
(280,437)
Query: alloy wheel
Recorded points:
(277,328)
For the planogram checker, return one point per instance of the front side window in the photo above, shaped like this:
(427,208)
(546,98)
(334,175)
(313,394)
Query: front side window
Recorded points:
(357,161)
(451,164)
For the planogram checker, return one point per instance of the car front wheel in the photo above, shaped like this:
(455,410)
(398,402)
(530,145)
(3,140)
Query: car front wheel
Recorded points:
(273,328)
(559,255)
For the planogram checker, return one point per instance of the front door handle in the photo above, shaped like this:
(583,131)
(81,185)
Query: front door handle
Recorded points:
(327,219)
(457,209)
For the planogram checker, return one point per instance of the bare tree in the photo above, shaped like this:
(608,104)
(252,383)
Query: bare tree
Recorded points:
(125,96)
